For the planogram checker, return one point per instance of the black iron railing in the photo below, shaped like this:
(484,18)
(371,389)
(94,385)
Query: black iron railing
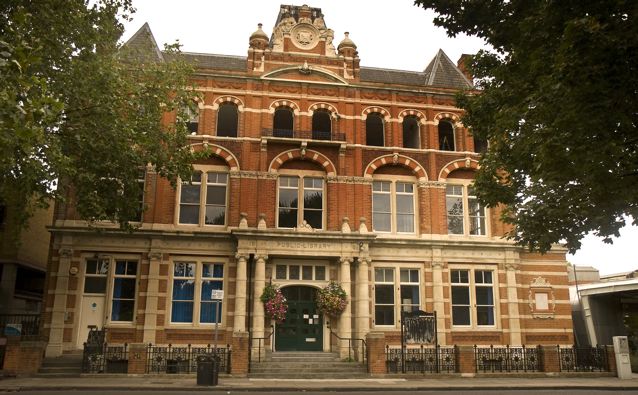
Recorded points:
(356,347)
(304,134)
(27,326)
(183,359)
(261,345)
(583,359)
(508,359)
(421,360)
(104,358)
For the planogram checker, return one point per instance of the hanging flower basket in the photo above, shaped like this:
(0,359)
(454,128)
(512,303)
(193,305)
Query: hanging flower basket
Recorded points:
(275,303)
(332,299)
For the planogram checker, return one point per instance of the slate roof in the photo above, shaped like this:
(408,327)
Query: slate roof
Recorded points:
(213,61)
(389,76)
(443,72)
(143,44)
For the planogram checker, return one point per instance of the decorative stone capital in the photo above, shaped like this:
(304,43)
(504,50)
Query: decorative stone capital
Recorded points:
(364,260)
(439,265)
(65,252)
(241,255)
(155,255)
(510,266)
(345,260)
(261,257)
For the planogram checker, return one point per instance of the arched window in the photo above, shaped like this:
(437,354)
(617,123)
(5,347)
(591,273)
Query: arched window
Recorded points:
(374,129)
(446,136)
(192,118)
(321,125)
(411,132)
(283,122)
(227,117)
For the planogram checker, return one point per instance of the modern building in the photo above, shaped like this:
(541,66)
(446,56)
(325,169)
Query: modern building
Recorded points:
(319,170)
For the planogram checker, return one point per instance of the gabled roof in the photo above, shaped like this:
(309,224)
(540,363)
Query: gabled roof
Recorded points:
(443,72)
(143,45)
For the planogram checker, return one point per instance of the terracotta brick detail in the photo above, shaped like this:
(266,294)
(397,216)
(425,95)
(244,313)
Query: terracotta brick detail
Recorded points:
(376,353)
(465,359)
(239,359)
(550,359)
(137,358)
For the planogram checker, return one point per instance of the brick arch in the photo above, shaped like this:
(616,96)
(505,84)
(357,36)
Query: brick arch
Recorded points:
(325,106)
(219,151)
(456,120)
(396,159)
(283,103)
(371,109)
(304,154)
(467,163)
(416,113)
(228,99)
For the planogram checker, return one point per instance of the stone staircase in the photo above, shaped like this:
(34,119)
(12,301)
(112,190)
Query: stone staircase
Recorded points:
(66,365)
(306,365)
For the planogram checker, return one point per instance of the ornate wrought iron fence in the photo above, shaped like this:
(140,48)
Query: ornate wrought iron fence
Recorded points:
(508,359)
(421,360)
(583,359)
(27,326)
(104,358)
(183,359)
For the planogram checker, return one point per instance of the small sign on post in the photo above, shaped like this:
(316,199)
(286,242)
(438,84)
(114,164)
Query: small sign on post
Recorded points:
(217,294)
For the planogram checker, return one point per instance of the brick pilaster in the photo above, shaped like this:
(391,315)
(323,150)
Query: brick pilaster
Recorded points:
(137,356)
(376,353)
(239,358)
(23,357)
(465,359)
(550,359)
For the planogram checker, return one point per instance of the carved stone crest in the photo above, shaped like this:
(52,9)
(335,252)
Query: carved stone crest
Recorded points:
(305,36)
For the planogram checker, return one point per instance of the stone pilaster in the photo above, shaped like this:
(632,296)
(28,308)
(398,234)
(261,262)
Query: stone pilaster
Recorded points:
(258,306)
(437,295)
(363,298)
(512,304)
(152,290)
(345,321)
(240,294)
(56,333)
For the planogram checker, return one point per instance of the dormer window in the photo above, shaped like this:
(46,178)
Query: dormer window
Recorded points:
(192,119)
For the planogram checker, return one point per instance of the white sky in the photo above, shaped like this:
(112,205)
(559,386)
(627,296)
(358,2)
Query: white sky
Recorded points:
(396,35)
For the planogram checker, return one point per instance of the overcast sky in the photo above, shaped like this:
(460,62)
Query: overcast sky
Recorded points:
(388,34)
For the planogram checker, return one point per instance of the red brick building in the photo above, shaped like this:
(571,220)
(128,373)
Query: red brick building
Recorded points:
(320,170)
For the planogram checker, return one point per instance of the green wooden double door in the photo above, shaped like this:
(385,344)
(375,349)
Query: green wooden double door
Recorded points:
(302,330)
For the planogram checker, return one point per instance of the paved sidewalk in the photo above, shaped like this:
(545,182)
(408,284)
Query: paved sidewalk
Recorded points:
(163,383)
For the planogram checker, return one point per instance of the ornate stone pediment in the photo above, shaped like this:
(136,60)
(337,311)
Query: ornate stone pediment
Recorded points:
(306,73)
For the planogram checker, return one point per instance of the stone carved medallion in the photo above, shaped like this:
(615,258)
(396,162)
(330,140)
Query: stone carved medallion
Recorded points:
(305,36)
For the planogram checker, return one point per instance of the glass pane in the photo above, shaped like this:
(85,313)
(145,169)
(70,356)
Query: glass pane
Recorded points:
(460,315)
(405,204)
(215,215)
(381,202)
(209,312)
(484,296)
(384,294)
(404,276)
(183,269)
(384,315)
(414,276)
(124,288)
(287,218)
(378,275)
(313,218)
(410,294)
(188,214)
(95,285)
(477,226)
(190,194)
(91,266)
(208,287)
(131,268)
(320,273)
(280,272)
(313,199)
(212,270)
(122,310)
(381,222)
(216,195)
(288,198)
(405,223)
(485,315)
(461,295)
(182,312)
(183,289)
(293,272)
(306,273)
(120,267)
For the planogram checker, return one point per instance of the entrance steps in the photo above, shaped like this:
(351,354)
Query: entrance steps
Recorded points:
(68,364)
(306,365)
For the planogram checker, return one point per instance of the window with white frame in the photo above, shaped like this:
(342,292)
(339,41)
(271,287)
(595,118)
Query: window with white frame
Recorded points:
(409,289)
(202,201)
(383,296)
(307,190)
(193,289)
(465,214)
(300,272)
(387,289)
(123,295)
(96,275)
(393,206)
(472,288)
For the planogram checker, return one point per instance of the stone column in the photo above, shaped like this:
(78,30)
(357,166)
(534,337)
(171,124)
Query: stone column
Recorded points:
(152,290)
(56,333)
(512,304)
(437,295)
(240,295)
(258,306)
(345,321)
(363,298)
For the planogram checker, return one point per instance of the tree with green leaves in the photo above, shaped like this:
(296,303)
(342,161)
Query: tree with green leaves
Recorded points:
(557,99)
(81,115)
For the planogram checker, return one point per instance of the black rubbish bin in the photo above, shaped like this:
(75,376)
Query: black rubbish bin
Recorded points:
(207,371)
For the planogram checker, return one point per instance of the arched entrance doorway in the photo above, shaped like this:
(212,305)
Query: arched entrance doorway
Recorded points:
(302,329)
